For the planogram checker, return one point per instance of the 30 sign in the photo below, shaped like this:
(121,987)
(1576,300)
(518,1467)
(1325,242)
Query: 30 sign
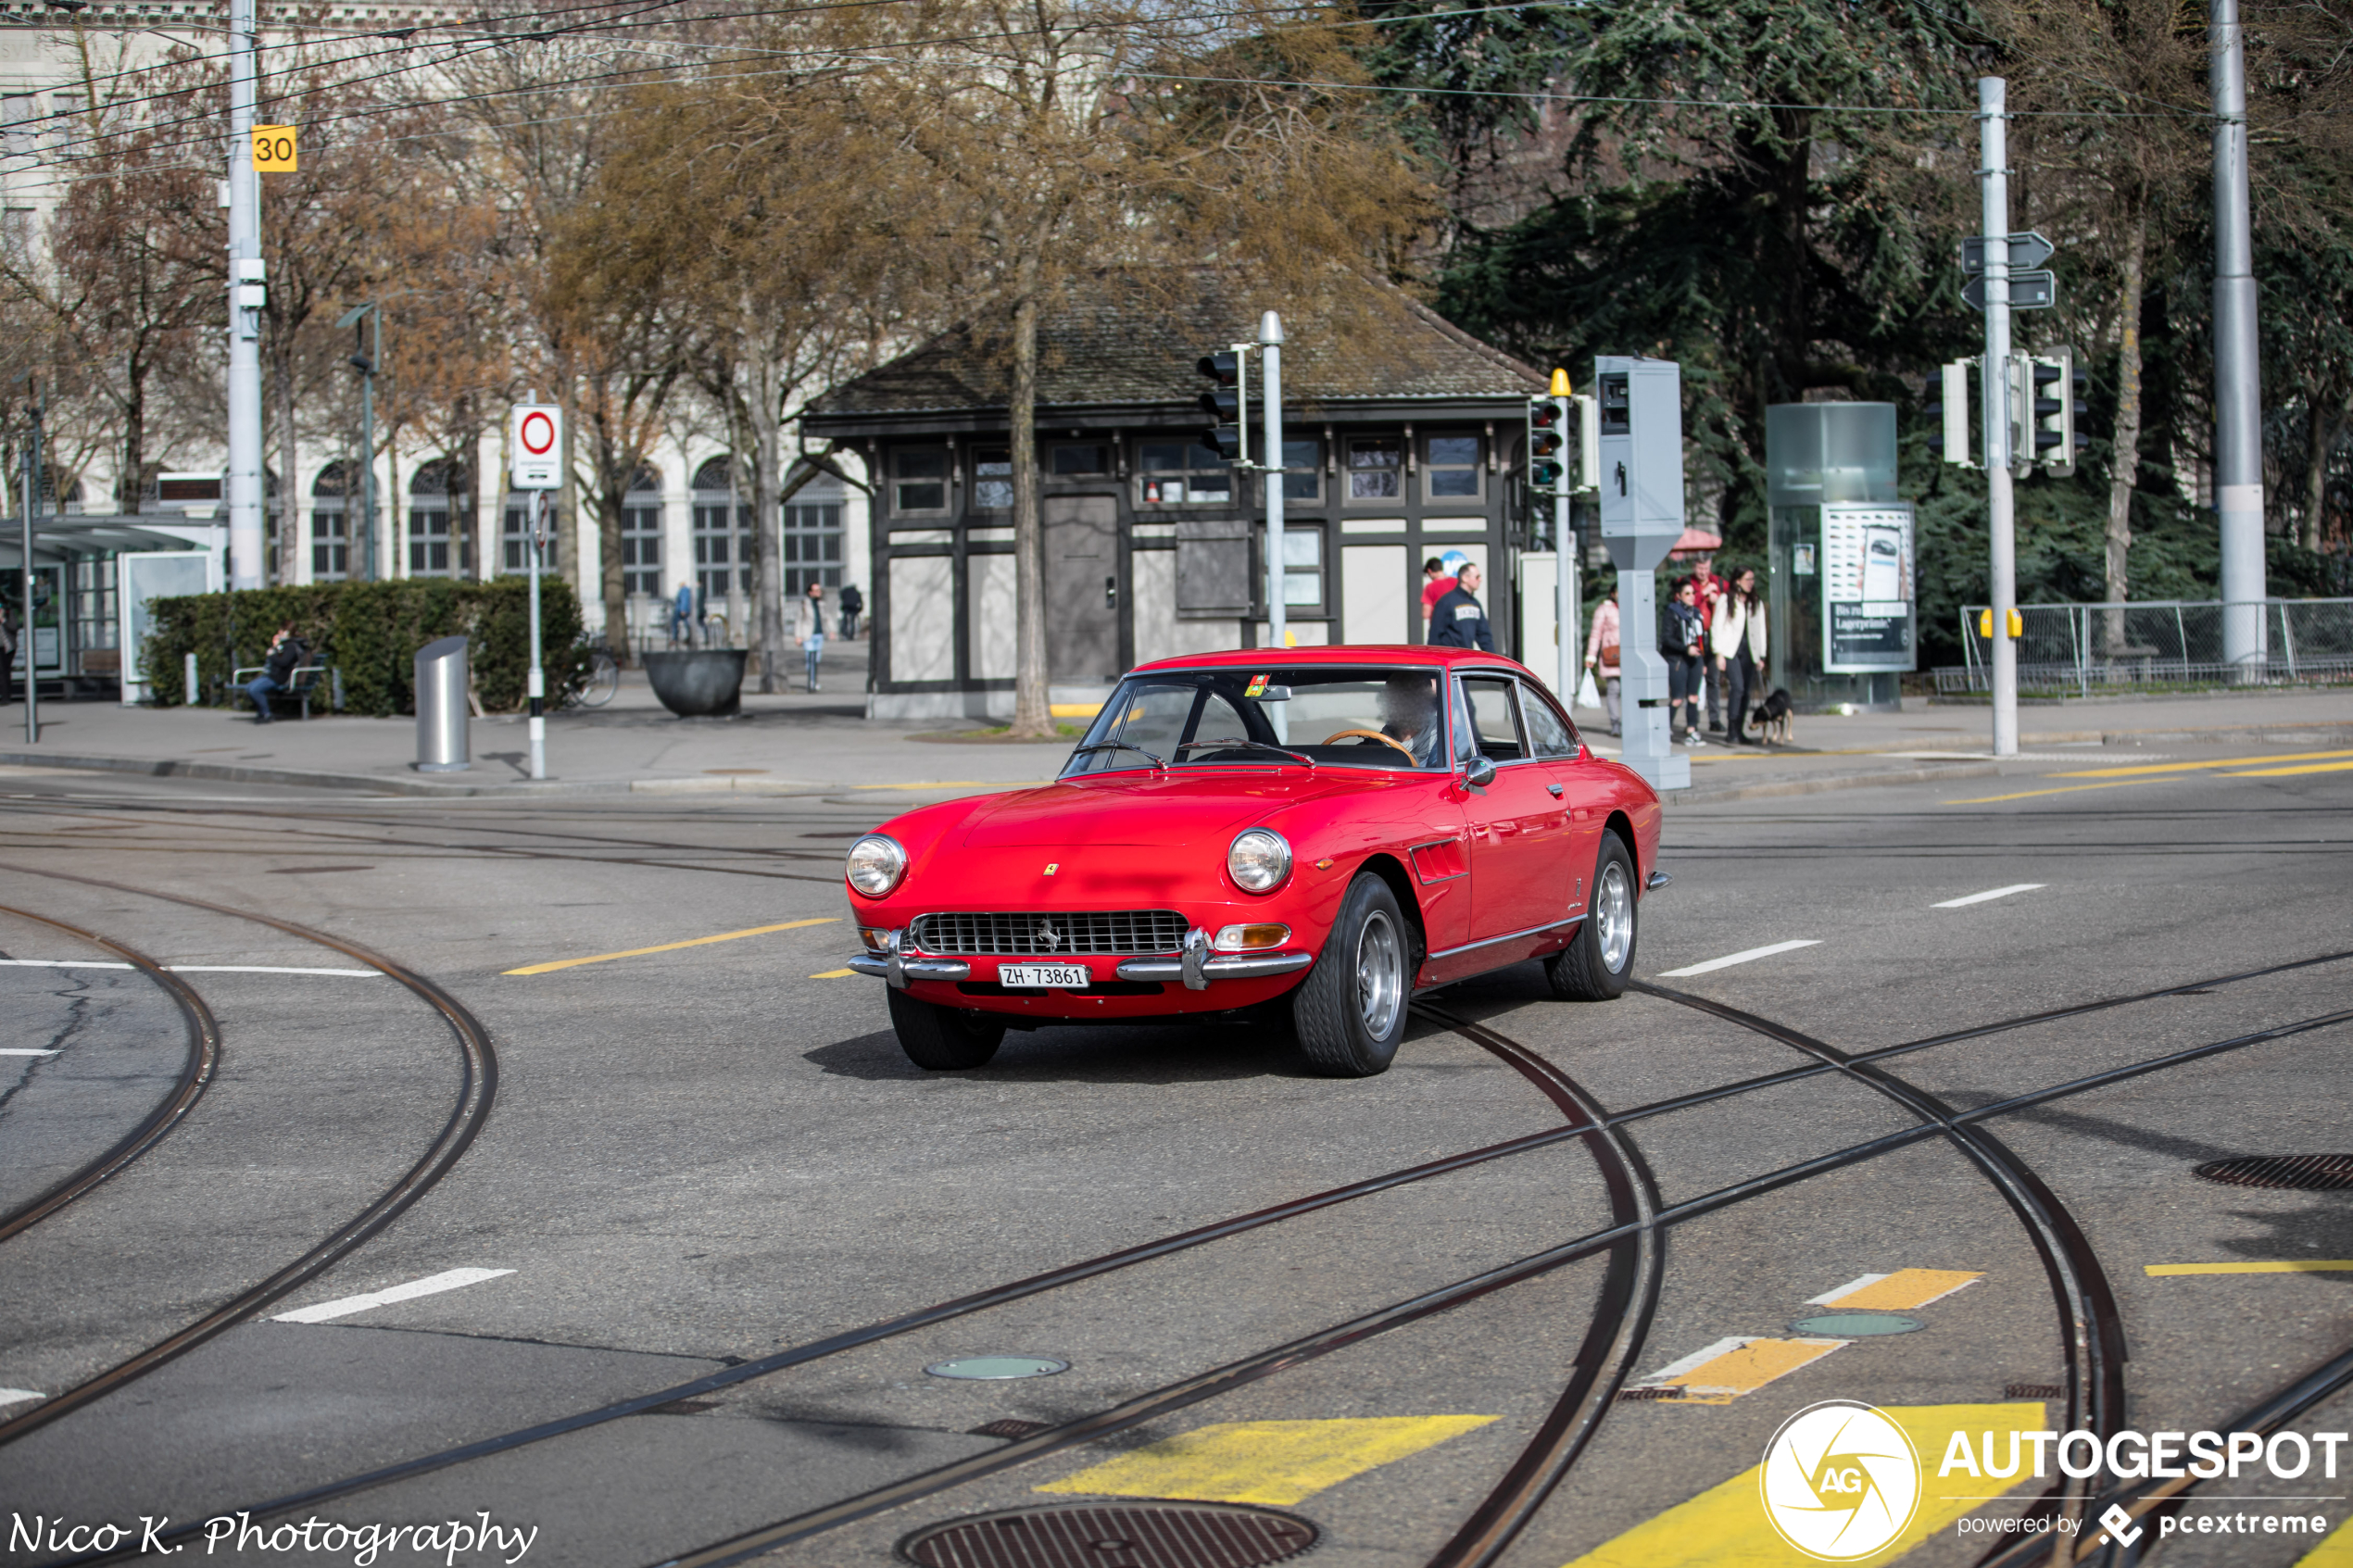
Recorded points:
(273,149)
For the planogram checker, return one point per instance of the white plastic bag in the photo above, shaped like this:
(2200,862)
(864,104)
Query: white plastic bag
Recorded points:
(1588,693)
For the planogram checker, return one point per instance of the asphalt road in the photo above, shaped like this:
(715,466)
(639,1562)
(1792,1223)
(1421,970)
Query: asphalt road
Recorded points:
(701,1156)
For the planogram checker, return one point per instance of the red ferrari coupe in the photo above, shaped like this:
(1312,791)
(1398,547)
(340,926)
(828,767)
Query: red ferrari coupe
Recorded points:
(1317,831)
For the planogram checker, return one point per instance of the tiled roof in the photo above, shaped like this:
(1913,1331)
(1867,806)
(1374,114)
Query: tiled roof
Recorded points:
(1133,339)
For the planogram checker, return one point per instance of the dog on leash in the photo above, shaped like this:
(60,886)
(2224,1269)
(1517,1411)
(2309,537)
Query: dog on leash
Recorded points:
(1771,718)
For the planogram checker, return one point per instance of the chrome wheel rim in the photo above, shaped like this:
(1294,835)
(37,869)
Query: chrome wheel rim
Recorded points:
(1380,980)
(1614,910)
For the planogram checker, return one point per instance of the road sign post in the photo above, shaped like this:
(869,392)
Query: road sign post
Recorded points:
(1992,122)
(535,444)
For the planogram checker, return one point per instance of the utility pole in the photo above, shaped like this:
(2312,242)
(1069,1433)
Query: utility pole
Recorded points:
(364,540)
(2238,391)
(1270,341)
(1993,171)
(26,641)
(247,294)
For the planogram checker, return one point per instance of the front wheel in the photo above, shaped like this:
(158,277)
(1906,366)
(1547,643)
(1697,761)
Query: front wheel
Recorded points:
(1351,1011)
(1598,961)
(940,1039)
(604,680)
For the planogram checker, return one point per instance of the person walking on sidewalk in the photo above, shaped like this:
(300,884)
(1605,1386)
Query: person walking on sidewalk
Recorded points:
(1601,656)
(1707,588)
(853,603)
(277,666)
(809,627)
(1458,620)
(681,616)
(7,655)
(1736,639)
(1437,583)
(1682,638)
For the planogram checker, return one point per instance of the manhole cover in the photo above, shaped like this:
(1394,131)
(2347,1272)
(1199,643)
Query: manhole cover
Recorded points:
(989,1369)
(1113,1535)
(1856,1324)
(2302,1172)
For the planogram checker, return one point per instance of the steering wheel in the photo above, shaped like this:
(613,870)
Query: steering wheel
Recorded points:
(1370,735)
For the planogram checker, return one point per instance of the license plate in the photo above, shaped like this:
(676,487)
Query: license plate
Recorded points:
(1073,976)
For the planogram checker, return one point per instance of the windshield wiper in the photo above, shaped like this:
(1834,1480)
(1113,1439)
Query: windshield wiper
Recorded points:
(1120,745)
(1249,745)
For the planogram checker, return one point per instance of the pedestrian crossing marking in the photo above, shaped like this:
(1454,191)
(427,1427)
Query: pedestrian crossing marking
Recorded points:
(1273,1462)
(2288,1266)
(1725,1526)
(2213,762)
(1730,1367)
(1898,1292)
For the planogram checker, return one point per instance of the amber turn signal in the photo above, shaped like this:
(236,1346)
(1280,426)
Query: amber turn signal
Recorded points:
(1246,939)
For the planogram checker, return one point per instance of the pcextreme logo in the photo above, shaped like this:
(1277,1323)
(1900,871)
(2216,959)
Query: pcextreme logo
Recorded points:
(1840,1481)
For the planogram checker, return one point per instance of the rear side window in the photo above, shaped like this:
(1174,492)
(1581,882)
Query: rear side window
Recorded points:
(1547,735)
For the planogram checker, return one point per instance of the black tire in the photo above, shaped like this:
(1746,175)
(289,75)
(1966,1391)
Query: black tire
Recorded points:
(1583,971)
(940,1039)
(1350,1012)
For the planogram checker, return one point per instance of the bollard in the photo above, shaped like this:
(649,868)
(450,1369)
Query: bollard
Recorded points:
(187,680)
(442,716)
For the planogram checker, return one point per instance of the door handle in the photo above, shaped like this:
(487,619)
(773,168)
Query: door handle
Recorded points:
(1553,790)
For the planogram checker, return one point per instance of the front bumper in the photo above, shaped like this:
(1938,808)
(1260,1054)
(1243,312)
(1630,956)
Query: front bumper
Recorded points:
(1195,966)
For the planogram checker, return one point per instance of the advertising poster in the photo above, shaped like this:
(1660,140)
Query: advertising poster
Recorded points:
(1867,587)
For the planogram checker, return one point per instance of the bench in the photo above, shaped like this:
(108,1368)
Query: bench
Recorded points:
(305,682)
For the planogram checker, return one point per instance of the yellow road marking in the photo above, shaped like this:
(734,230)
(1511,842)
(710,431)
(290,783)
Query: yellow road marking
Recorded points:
(1901,1291)
(835,975)
(2284,772)
(1274,1463)
(2335,1552)
(2063,789)
(1725,1526)
(673,947)
(2216,763)
(2291,1266)
(1737,1366)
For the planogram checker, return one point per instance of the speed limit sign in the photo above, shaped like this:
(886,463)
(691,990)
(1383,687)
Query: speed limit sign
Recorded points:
(273,149)
(535,436)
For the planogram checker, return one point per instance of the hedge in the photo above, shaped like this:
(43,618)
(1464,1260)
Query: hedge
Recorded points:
(370,633)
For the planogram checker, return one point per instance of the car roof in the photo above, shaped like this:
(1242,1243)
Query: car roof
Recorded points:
(1339,653)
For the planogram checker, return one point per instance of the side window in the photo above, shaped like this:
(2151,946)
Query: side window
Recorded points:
(1546,733)
(920,480)
(1494,731)
(1451,464)
(992,477)
(1372,464)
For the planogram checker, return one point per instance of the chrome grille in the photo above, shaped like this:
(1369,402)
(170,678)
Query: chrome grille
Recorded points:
(1051,935)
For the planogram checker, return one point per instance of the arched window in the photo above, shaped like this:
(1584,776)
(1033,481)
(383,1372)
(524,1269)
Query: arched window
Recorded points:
(641,532)
(331,513)
(723,557)
(429,509)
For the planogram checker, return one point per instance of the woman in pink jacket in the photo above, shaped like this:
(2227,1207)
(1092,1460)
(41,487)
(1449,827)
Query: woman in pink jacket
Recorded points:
(1601,656)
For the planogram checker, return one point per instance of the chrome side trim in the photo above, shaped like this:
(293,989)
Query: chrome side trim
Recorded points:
(1507,937)
(1657,881)
(899,970)
(1226,966)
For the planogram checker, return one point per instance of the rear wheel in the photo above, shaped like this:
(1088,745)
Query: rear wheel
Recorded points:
(1351,1011)
(942,1039)
(1598,961)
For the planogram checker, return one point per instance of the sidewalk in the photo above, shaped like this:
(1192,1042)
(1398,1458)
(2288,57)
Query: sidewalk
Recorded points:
(799,742)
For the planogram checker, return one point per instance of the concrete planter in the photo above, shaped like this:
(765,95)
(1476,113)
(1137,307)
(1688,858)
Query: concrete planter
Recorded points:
(699,682)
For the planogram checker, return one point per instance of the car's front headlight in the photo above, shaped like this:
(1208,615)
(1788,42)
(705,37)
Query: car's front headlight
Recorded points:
(877,864)
(1259,861)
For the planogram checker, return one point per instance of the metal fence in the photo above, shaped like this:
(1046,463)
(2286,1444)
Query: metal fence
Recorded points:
(2160,645)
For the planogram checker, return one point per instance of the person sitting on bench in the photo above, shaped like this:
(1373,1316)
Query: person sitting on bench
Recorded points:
(287,654)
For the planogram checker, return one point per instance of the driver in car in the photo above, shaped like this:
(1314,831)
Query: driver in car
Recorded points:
(1409,716)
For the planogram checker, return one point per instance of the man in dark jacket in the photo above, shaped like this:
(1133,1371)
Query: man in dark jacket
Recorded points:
(286,655)
(1458,620)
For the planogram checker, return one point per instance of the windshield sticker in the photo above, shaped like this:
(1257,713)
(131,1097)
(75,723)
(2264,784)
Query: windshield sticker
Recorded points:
(1257,687)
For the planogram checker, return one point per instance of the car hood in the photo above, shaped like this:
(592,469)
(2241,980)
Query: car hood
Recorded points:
(1166,811)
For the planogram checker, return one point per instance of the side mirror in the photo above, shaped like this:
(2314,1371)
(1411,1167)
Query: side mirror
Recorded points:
(1478,773)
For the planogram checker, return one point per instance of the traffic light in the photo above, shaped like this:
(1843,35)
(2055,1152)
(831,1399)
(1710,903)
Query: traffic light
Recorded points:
(2056,385)
(1948,394)
(1227,403)
(1545,442)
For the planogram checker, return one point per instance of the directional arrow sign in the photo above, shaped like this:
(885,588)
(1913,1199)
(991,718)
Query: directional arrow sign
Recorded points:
(2029,290)
(2029,249)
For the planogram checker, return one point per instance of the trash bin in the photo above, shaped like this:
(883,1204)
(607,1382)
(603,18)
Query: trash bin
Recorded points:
(441,709)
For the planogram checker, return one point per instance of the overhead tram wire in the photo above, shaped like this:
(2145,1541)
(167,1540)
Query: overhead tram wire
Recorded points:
(1586,1246)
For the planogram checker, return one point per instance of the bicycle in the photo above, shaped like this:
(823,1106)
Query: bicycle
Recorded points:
(604,676)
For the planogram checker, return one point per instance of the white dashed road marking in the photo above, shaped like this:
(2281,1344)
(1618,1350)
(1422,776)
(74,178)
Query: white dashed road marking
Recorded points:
(432,1285)
(186,968)
(1752,955)
(19,1395)
(20,1050)
(1995,893)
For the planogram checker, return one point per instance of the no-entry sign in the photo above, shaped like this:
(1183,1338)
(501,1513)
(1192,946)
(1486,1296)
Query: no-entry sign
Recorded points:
(535,435)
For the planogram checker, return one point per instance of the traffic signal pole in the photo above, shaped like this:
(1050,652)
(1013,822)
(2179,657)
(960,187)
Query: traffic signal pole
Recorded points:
(1270,342)
(2238,392)
(1994,174)
(246,296)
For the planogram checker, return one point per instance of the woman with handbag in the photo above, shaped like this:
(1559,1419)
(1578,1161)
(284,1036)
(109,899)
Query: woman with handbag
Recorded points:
(1682,637)
(1601,656)
(1736,636)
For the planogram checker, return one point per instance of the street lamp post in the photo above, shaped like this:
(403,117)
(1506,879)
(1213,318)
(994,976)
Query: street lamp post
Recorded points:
(366,364)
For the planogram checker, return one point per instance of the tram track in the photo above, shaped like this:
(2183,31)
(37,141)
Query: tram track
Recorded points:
(195,1075)
(1611,1342)
(477,1089)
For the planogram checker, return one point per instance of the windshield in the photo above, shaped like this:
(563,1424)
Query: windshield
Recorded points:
(1321,717)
